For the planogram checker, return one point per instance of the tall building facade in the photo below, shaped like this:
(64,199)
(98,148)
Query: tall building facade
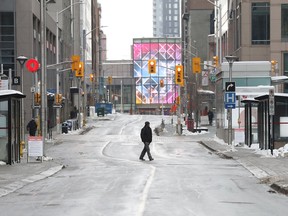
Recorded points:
(258,30)
(20,34)
(166,18)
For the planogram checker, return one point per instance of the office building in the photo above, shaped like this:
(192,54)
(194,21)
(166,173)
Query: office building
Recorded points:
(166,18)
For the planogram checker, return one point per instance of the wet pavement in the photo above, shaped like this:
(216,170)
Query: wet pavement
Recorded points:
(269,170)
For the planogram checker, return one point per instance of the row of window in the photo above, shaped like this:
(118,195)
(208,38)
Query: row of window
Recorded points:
(261,23)
(7,44)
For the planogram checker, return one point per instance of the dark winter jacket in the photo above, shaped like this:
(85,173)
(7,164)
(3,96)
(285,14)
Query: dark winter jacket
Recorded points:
(32,127)
(146,134)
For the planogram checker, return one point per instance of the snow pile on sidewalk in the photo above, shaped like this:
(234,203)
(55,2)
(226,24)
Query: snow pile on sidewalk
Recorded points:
(281,152)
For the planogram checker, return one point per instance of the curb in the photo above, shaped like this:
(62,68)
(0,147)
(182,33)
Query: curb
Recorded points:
(283,189)
(257,172)
(219,153)
(5,190)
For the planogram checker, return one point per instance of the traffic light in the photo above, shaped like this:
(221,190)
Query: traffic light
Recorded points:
(178,100)
(109,80)
(37,98)
(162,83)
(80,71)
(215,61)
(179,75)
(75,62)
(152,66)
(273,65)
(196,67)
(91,77)
(58,98)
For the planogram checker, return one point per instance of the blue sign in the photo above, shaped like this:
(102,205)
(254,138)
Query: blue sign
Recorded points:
(230,106)
(230,100)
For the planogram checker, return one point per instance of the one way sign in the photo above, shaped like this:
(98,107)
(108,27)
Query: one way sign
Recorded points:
(230,86)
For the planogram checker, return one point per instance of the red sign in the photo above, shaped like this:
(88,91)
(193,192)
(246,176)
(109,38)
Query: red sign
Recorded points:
(32,65)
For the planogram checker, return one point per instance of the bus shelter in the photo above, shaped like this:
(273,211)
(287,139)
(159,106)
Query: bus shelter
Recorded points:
(272,129)
(250,135)
(10,128)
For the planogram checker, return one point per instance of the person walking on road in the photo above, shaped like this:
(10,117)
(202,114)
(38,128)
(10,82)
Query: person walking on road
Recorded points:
(32,127)
(146,137)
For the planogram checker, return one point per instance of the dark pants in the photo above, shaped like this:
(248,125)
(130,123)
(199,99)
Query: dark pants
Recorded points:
(50,133)
(146,149)
(210,121)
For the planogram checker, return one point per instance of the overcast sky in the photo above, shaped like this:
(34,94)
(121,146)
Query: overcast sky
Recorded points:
(125,20)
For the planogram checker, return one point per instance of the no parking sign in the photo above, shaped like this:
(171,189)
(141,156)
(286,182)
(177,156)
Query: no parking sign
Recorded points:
(32,65)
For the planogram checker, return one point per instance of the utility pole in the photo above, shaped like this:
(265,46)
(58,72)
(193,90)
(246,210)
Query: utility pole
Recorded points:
(43,71)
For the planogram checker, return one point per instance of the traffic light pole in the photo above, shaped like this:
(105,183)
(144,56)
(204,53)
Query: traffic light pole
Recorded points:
(178,112)
(43,73)
(57,73)
(84,78)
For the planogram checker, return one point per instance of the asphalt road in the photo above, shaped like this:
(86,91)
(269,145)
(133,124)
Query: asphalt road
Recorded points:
(103,176)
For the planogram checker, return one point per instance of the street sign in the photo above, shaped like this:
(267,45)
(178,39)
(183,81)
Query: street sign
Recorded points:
(230,100)
(230,86)
(230,106)
(16,80)
(271,102)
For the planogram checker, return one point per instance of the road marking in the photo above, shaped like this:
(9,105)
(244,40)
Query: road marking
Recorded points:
(146,191)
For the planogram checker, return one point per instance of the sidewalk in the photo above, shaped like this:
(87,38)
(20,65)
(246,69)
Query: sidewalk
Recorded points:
(16,176)
(269,170)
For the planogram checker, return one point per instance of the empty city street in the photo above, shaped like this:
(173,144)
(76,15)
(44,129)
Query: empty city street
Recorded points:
(103,175)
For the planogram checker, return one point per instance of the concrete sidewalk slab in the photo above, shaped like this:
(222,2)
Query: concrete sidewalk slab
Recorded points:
(272,171)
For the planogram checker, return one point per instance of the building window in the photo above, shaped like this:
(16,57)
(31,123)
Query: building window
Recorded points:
(238,26)
(285,69)
(7,41)
(284,22)
(260,23)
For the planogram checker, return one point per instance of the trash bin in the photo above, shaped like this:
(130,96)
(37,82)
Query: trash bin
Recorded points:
(64,127)
(69,124)
(190,125)
(100,111)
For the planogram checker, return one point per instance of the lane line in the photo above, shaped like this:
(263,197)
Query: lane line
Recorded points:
(146,191)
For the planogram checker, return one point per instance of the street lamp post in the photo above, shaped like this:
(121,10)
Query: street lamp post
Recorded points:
(57,61)
(22,60)
(84,63)
(230,60)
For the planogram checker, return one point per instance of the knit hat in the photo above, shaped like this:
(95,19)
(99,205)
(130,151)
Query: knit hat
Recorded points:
(147,123)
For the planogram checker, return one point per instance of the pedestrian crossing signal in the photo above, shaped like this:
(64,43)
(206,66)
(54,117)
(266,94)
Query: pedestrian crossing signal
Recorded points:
(37,98)
(58,99)
(109,80)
